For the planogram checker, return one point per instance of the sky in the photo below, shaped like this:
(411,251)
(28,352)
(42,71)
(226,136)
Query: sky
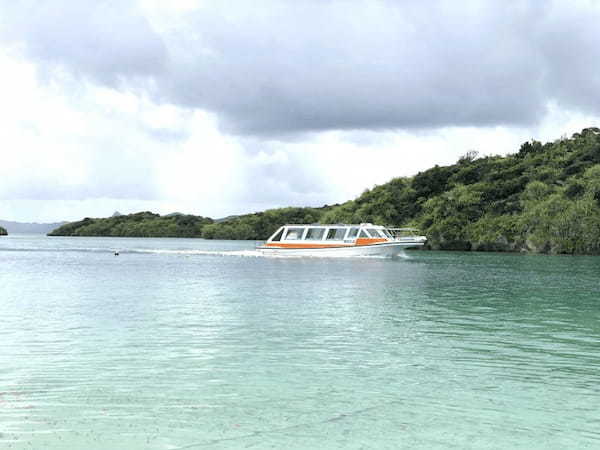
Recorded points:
(217,108)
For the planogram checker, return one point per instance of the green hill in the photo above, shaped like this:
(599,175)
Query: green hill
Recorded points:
(142,224)
(260,225)
(3,232)
(544,198)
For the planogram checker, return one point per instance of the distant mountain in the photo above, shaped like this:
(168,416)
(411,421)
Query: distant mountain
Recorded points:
(225,219)
(24,227)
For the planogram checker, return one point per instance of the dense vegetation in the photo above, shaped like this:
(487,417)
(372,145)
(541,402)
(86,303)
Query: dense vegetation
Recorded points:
(142,224)
(261,225)
(545,198)
(3,232)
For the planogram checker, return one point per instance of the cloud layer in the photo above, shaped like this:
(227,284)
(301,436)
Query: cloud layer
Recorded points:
(272,68)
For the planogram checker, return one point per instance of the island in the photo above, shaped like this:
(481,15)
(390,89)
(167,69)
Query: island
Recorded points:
(142,224)
(544,198)
(29,227)
(3,232)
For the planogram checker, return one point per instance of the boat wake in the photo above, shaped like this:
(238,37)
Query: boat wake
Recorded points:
(123,251)
(402,255)
(243,253)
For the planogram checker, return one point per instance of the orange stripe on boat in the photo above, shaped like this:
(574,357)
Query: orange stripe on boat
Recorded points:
(369,241)
(359,242)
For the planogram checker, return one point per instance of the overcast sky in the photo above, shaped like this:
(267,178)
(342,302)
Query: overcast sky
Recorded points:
(218,108)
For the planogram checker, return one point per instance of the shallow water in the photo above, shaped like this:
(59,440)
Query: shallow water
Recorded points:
(179,343)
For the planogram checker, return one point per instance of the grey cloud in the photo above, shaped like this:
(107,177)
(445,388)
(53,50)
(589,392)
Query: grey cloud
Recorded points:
(570,45)
(277,68)
(109,41)
(295,177)
(367,138)
(376,65)
(122,173)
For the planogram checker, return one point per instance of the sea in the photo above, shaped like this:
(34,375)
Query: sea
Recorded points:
(191,344)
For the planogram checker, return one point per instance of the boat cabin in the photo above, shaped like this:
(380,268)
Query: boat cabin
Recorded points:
(317,235)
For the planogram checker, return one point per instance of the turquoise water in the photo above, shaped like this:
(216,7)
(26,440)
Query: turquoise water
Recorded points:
(203,344)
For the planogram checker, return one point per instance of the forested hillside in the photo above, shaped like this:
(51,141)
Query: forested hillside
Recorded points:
(142,224)
(544,198)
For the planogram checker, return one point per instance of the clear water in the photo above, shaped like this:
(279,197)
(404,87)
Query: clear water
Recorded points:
(203,344)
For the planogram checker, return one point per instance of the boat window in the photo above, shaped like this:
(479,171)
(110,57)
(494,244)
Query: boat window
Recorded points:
(373,232)
(294,234)
(315,234)
(363,234)
(387,233)
(352,233)
(277,236)
(336,234)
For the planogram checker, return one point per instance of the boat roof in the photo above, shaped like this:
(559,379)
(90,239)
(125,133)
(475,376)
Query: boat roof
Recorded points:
(332,225)
(370,225)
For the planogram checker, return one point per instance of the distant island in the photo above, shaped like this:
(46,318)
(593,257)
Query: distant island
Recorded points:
(28,227)
(142,224)
(3,232)
(545,199)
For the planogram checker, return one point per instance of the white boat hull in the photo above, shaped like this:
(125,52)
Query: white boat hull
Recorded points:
(382,249)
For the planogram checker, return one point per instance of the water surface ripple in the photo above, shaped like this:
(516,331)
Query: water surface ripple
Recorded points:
(179,344)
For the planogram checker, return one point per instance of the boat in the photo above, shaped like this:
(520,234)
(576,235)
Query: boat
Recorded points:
(365,239)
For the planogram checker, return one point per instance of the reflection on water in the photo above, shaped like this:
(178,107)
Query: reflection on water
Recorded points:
(172,344)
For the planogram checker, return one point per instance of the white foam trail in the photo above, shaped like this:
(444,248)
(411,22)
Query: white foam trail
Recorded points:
(402,255)
(246,253)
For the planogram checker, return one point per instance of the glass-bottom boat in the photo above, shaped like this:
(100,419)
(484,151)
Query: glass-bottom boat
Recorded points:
(341,240)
